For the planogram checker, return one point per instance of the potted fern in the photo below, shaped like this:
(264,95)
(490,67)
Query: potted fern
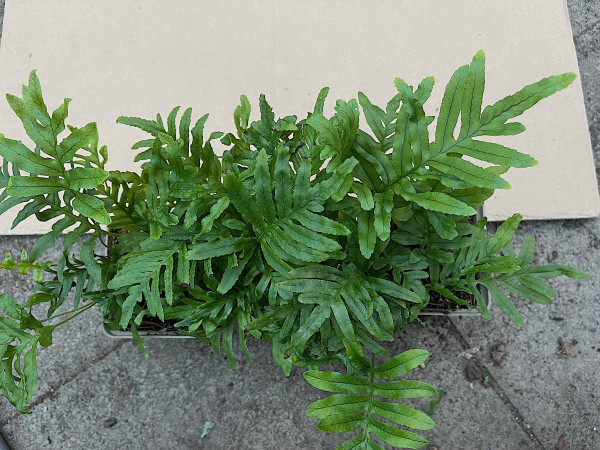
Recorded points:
(314,234)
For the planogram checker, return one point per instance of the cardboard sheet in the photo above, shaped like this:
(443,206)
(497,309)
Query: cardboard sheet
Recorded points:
(134,57)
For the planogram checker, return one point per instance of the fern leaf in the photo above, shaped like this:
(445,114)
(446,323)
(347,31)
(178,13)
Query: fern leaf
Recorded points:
(78,139)
(473,94)
(87,257)
(233,271)
(556,270)
(396,437)
(20,186)
(337,134)
(149,126)
(384,203)
(336,404)
(18,352)
(505,304)
(403,415)
(49,177)
(514,105)
(282,183)
(375,117)
(215,211)
(336,382)
(438,201)
(401,364)
(402,148)
(450,108)
(495,153)
(473,197)
(85,177)
(444,226)
(320,102)
(264,128)
(481,302)
(469,172)
(92,207)
(526,292)
(364,195)
(463,97)
(360,442)
(24,159)
(48,240)
(352,298)
(168,279)
(171,122)
(221,247)
(263,188)
(503,234)
(367,235)
(312,324)
(321,224)
(373,161)
(34,115)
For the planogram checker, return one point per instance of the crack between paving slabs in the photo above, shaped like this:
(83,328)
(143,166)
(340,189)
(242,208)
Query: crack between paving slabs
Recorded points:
(514,411)
(586,29)
(54,390)
(2,8)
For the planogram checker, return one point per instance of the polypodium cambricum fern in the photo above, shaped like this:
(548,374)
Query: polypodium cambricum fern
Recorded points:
(314,234)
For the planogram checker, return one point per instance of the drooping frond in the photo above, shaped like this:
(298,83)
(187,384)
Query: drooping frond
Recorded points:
(355,405)
(18,351)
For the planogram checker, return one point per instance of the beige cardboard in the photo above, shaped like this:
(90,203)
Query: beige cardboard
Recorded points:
(138,58)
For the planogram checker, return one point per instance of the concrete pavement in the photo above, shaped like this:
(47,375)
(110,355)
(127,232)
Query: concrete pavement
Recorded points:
(100,393)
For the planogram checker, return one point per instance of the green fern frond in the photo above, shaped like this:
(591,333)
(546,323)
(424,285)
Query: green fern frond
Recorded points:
(514,273)
(336,135)
(18,351)
(48,176)
(143,273)
(348,298)
(283,214)
(356,407)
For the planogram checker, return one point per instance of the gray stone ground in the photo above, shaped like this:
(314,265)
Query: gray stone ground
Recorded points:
(100,393)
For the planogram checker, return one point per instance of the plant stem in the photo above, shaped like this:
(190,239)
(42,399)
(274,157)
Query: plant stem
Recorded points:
(370,407)
(78,311)
(76,314)
(99,231)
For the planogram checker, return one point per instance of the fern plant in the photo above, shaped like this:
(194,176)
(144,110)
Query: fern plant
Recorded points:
(314,234)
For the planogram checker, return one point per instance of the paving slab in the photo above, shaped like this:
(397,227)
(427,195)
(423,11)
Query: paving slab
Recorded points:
(553,384)
(164,401)
(1,15)
(588,52)
(77,344)
(584,15)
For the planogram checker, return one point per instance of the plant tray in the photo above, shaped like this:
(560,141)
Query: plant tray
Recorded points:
(124,334)
(458,312)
